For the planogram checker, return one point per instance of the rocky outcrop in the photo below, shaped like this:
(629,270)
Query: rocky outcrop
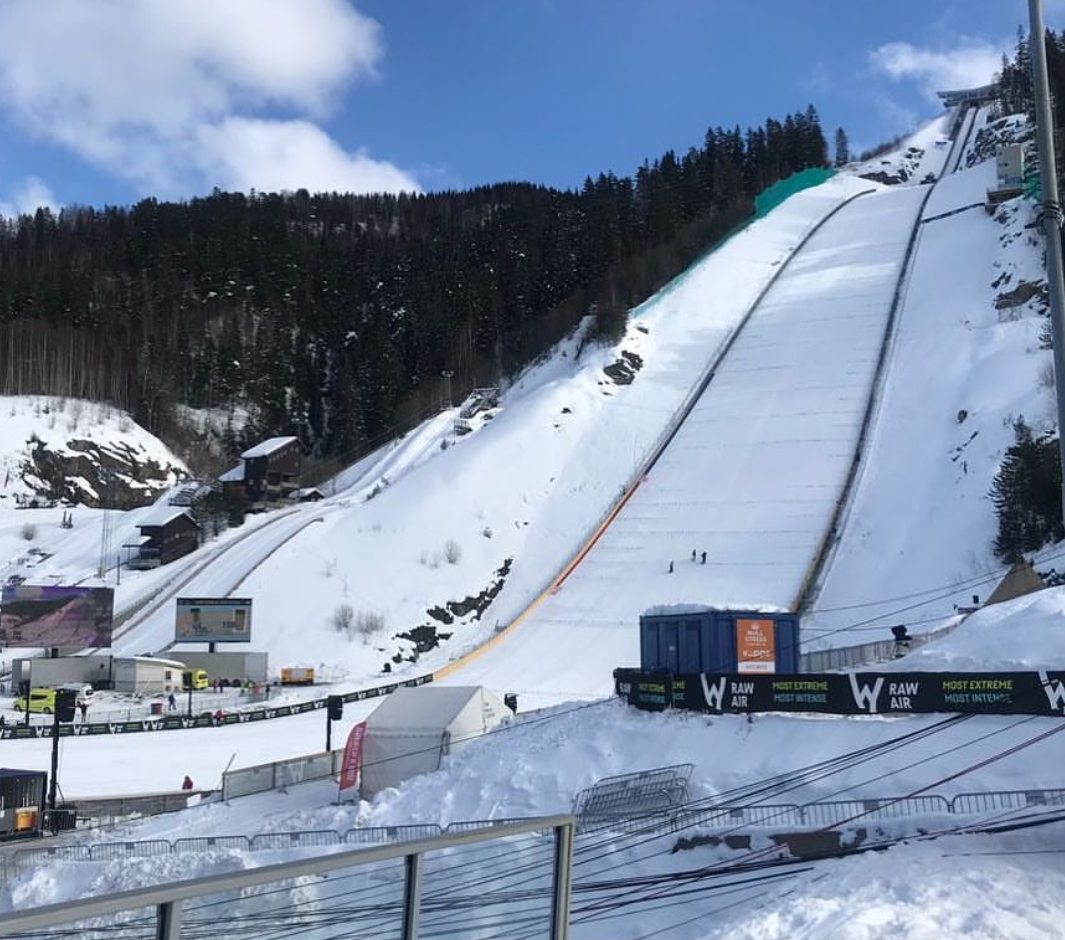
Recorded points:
(116,474)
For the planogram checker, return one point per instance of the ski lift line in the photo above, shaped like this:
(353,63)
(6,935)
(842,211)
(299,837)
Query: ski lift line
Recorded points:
(760,790)
(766,852)
(766,789)
(659,448)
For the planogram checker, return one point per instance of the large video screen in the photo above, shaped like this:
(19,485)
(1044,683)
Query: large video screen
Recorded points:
(213,619)
(55,616)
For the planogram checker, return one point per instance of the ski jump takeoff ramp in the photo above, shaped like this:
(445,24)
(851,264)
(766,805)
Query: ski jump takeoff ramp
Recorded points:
(752,476)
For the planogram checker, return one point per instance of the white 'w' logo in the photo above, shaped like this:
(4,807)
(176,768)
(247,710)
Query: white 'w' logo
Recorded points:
(715,695)
(864,697)
(1055,691)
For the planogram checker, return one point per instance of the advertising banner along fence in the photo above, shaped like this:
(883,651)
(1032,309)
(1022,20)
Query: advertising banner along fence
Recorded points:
(172,722)
(213,619)
(856,693)
(43,617)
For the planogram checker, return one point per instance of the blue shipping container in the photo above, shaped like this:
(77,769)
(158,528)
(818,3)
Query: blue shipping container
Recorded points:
(691,640)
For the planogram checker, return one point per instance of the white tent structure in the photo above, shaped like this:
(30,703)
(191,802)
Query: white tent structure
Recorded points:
(412,729)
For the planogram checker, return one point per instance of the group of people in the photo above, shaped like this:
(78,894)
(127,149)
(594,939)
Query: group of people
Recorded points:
(696,556)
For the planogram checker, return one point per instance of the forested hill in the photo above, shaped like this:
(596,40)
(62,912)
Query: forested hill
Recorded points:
(332,316)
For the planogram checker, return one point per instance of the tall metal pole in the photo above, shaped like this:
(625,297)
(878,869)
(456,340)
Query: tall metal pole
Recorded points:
(54,782)
(447,373)
(1051,215)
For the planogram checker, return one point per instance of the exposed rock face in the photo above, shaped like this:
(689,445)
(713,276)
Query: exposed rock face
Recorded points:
(624,370)
(116,474)
(1021,294)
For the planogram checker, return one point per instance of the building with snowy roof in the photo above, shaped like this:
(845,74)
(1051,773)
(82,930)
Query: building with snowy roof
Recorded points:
(268,472)
(166,535)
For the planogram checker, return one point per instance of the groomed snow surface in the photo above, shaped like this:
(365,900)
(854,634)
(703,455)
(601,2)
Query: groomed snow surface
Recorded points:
(752,476)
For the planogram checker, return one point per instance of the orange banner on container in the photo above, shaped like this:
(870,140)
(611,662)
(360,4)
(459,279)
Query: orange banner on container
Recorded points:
(755,646)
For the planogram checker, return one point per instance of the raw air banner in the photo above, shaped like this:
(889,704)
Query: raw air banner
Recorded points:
(859,693)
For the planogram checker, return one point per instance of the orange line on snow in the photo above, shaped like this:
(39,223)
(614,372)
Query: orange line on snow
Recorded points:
(552,588)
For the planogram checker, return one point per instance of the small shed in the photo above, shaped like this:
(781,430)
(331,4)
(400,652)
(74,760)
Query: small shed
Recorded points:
(146,675)
(21,802)
(165,536)
(414,728)
(272,469)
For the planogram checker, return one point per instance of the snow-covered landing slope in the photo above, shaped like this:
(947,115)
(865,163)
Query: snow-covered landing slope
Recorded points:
(753,475)
(965,363)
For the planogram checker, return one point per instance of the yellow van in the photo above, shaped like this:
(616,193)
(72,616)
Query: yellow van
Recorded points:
(41,700)
(195,679)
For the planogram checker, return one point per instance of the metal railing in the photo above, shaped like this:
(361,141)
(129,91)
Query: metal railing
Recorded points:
(820,814)
(395,890)
(864,654)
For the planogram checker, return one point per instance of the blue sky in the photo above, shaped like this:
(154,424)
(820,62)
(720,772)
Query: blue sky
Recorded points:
(107,101)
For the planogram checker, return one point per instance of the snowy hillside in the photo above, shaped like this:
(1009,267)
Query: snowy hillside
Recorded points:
(441,534)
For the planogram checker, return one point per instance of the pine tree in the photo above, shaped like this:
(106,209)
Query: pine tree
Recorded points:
(1026,494)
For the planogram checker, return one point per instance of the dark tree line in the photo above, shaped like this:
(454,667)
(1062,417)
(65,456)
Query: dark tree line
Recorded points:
(1015,86)
(1026,491)
(332,316)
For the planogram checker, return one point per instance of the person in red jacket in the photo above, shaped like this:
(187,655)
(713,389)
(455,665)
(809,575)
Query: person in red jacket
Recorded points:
(186,784)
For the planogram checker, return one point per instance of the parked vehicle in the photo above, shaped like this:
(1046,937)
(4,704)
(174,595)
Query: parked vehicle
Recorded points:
(293,675)
(41,701)
(195,679)
(82,691)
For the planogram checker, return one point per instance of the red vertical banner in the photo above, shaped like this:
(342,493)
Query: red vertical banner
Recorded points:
(349,770)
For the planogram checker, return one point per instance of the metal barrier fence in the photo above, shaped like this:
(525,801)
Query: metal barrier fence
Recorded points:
(263,842)
(1005,800)
(827,813)
(864,654)
(279,774)
(662,790)
(394,890)
(834,812)
(758,816)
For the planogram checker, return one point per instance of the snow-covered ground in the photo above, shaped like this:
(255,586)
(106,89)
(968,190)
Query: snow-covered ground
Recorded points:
(520,496)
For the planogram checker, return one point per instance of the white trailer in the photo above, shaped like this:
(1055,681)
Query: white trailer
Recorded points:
(42,672)
(145,675)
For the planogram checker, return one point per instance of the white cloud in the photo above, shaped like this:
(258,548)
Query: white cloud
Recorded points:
(131,85)
(30,195)
(243,153)
(971,64)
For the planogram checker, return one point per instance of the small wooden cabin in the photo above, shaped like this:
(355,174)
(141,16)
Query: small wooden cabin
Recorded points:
(271,469)
(165,536)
